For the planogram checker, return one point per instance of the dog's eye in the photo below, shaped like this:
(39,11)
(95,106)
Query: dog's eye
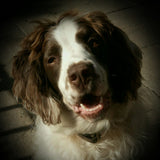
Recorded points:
(93,43)
(51,59)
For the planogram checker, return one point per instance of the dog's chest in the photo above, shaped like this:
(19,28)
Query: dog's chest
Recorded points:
(58,146)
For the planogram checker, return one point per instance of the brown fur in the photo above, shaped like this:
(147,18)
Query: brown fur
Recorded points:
(30,81)
(120,57)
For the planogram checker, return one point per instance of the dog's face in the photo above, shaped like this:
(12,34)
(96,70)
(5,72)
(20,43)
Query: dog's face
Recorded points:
(82,80)
(87,61)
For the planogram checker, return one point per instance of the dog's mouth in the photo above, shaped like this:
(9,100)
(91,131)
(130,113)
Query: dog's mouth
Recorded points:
(91,106)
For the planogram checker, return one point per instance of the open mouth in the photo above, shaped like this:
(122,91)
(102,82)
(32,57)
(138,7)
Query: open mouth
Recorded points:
(91,106)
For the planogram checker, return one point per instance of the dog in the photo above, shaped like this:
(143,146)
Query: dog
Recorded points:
(81,76)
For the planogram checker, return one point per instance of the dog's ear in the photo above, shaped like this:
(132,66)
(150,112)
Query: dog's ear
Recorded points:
(30,82)
(121,56)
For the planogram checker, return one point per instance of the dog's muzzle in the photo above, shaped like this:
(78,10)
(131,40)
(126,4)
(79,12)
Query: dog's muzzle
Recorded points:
(84,79)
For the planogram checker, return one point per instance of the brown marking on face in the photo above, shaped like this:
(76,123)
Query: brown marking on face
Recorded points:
(52,62)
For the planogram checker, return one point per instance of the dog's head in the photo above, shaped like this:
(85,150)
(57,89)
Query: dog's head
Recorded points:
(82,63)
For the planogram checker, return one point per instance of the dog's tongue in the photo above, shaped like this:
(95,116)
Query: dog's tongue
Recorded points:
(90,105)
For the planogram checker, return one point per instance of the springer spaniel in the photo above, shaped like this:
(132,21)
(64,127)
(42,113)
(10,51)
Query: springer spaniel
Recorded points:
(81,76)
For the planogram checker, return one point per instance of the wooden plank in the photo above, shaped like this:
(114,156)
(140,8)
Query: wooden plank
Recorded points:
(15,118)
(17,146)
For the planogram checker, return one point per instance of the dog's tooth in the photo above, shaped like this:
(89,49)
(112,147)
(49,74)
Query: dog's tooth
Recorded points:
(99,106)
(83,107)
(92,109)
(96,107)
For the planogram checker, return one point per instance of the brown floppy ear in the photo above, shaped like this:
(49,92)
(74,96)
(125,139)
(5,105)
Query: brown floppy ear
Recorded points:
(121,57)
(30,82)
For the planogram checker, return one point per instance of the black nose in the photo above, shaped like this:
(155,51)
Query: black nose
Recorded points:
(81,75)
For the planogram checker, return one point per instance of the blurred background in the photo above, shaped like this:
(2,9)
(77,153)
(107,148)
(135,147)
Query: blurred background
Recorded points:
(140,19)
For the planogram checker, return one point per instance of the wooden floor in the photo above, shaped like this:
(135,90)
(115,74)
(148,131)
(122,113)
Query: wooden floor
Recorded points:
(138,18)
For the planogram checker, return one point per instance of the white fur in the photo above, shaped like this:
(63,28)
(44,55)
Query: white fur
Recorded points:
(125,127)
(73,52)
(61,142)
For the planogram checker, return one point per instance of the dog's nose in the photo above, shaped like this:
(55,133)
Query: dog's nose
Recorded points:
(81,75)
